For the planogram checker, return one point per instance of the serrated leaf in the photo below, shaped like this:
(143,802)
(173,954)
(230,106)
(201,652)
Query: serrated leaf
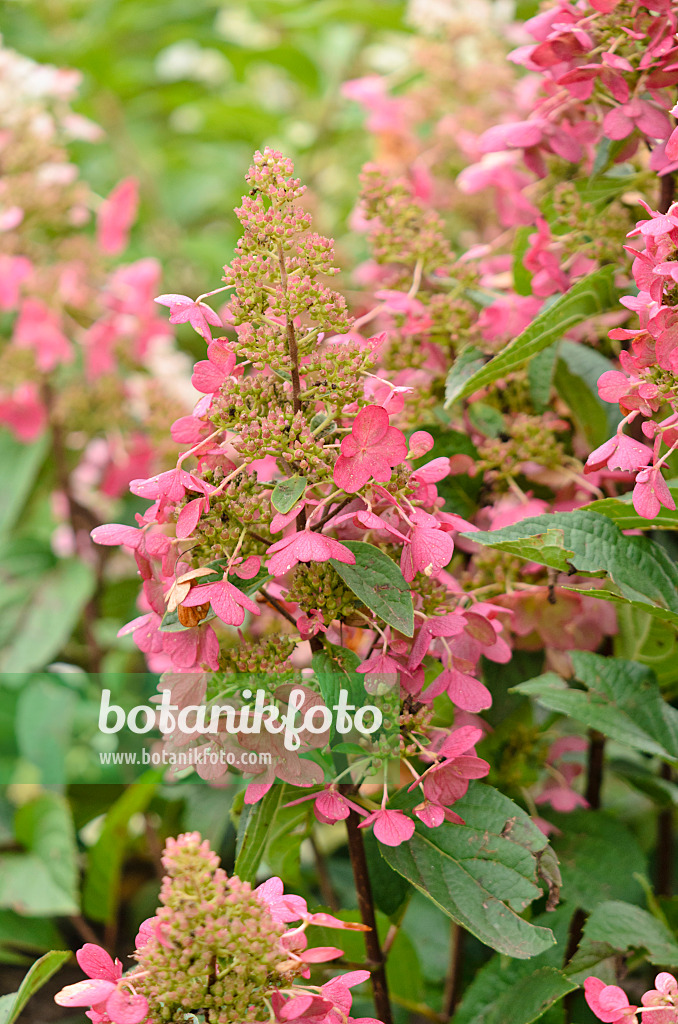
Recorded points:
(626,927)
(599,857)
(621,511)
(587,542)
(377,580)
(530,998)
(287,492)
(540,377)
(467,364)
(42,970)
(622,700)
(477,876)
(593,295)
(335,670)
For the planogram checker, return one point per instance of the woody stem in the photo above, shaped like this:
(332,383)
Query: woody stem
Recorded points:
(361,877)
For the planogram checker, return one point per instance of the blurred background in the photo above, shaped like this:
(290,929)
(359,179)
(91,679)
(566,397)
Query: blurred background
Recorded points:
(186,90)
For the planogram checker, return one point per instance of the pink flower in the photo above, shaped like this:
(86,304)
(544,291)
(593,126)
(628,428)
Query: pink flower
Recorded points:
(209,374)
(372,449)
(390,827)
(305,546)
(192,648)
(228,603)
(184,309)
(651,492)
(116,215)
(23,412)
(39,328)
(620,452)
(430,548)
(106,992)
(653,122)
(609,1002)
(13,272)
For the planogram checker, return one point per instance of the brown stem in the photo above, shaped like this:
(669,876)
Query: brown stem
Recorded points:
(84,930)
(665,843)
(594,777)
(361,876)
(277,605)
(332,513)
(667,190)
(453,981)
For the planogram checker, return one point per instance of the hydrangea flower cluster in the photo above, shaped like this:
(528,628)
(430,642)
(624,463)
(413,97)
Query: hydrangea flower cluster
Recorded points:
(646,384)
(86,353)
(294,438)
(611,1004)
(217,948)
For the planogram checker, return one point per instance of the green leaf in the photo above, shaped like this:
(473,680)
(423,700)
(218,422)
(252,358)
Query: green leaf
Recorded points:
(531,997)
(500,976)
(587,542)
(45,827)
(50,617)
(622,701)
(378,582)
(487,419)
(577,373)
(287,492)
(478,877)
(101,889)
(626,927)
(259,825)
(44,719)
(621,511)
(522,278)
(598,857)
(42,970)
(335,670)
(540,378)
(466,366)
(594,294)
(20,466)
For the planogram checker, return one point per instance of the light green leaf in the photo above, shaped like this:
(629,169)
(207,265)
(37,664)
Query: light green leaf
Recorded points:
(522,278)
(594,294)
(588,542)
(20,466)
(44,721)
(50,617)
(287,492)
(377,580)
(42,970)
(621,511)
(468,363)
(45,827)
(540,377)
(258,828)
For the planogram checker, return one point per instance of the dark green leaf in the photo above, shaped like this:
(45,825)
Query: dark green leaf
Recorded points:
(576,380)
(377,580)
(540,378)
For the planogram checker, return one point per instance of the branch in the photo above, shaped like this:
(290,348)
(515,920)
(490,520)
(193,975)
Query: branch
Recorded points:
(361,876)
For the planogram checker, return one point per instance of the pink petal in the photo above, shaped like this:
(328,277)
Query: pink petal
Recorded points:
(85,993)
(320,954)
(115,533)
(188,518)
(97,963)
(125,1008)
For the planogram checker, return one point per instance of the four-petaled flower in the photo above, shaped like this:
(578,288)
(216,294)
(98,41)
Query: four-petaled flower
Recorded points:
(184,309)
(372,449)
(110,996)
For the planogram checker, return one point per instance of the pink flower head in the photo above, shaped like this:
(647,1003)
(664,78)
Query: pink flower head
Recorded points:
(105,991)
(184,309)
(390,827)
(228,603)
(651,492)
(372,449)
(39,328)
(116,215)
(609,1002)
(305,546)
